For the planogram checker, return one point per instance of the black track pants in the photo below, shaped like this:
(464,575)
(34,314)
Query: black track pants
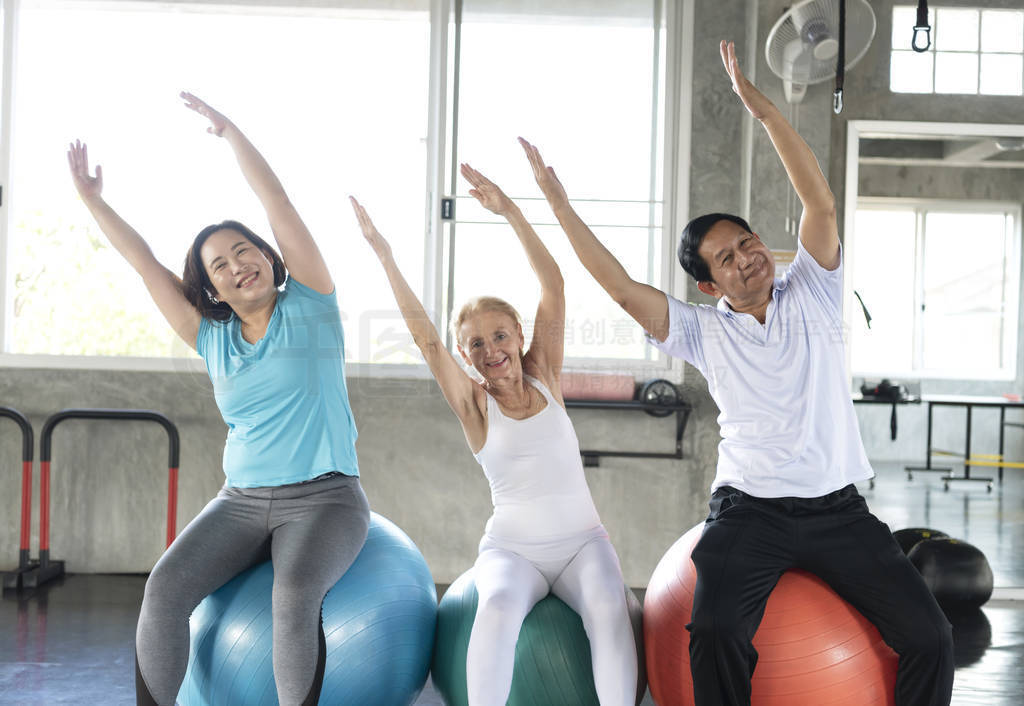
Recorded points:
(749,542)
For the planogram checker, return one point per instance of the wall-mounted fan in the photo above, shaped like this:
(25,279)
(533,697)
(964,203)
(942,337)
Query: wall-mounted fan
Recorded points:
(802,46)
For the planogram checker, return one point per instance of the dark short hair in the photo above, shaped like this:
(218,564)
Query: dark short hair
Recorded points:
(196,284)
(693,236)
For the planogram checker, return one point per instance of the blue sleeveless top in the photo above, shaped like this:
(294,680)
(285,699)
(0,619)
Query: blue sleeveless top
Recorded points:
(284,397)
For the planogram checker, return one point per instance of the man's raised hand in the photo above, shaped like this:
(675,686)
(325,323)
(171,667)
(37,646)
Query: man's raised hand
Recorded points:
(756,102)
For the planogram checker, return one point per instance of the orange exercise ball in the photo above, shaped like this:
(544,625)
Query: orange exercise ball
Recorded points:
(813,647)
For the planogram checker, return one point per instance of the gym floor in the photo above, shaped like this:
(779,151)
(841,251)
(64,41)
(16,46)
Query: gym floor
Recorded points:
(71,641)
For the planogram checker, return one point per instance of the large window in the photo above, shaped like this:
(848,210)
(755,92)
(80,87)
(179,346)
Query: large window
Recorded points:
(337,98)
(941,282)
(298,82)
(553,80)
(973,51)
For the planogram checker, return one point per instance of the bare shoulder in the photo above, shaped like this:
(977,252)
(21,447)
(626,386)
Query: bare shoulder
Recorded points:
(550,378)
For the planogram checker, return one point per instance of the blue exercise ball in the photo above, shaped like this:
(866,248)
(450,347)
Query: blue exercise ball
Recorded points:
(378,622)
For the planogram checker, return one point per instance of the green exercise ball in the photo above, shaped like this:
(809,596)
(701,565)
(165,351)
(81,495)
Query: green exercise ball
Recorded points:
(552,654)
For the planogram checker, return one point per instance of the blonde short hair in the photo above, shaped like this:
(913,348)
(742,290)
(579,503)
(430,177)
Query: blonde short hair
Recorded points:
(477,305)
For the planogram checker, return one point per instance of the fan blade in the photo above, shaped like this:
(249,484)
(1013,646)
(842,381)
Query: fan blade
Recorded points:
(796,61)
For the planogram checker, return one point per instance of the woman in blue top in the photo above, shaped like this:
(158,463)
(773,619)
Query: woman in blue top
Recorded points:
(275,356)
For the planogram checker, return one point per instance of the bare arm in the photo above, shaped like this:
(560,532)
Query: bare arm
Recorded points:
(647,305)
(818,229)
(298,249)
(547,346)
(163,285)
(458,388)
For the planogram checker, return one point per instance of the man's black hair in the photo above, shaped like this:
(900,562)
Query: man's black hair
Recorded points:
(693,236)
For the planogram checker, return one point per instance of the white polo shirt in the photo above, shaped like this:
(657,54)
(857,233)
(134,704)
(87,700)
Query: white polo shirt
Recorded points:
(787,421)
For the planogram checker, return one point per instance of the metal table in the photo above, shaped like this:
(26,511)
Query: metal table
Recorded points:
(969,402)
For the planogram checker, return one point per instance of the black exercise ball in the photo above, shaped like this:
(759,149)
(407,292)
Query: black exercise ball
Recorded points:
(907,538)
(956,573)
(972,636)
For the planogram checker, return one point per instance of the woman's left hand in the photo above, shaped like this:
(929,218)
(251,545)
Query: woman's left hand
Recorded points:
(217,120)
(486,192)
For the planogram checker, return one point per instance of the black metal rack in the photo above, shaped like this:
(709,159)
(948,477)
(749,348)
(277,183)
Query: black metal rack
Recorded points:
(46,568)
(592,457)
(12,579)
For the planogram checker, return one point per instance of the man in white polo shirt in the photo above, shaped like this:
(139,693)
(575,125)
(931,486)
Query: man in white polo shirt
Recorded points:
(772,352)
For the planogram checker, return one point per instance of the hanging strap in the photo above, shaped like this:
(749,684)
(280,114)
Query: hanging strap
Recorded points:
(867,316)
(837,95)
(922,26)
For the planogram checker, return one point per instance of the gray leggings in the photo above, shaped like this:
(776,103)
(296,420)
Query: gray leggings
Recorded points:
(312,531)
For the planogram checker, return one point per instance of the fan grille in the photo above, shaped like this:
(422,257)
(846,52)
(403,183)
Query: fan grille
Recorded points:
(815,23)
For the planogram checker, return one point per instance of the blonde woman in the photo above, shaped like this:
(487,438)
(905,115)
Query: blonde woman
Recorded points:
(545,534)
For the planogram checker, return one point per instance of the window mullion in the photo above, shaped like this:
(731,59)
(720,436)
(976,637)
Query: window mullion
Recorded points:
(1003,298)
(1011,286)
(655,120)
(451,185)
(437,122)
(977,91)
(10,10)
(920,304)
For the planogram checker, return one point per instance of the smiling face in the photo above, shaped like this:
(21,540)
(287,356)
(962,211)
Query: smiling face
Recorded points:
(241,274)
(492,342)
(742,267)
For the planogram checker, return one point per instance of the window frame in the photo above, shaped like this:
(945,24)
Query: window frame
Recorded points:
(934,52)
(921,207)
(678,25)
(855,130)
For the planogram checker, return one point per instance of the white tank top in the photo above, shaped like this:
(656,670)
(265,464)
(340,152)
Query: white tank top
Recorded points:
(533,465)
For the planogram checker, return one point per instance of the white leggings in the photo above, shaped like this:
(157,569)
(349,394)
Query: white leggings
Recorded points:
(509,585)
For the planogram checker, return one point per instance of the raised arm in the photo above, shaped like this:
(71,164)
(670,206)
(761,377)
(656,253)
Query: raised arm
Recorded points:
(163,285)
(547,345)
(647,305)
(457,387)
(298,249)
(819,232)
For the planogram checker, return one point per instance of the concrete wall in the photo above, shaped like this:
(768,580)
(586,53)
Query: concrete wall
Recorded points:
(109,479)
(960,183)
